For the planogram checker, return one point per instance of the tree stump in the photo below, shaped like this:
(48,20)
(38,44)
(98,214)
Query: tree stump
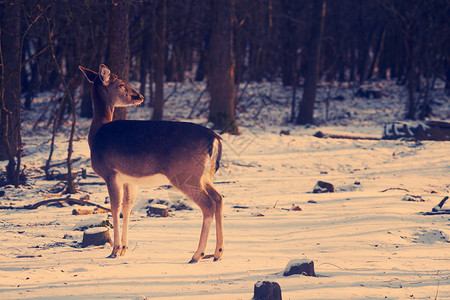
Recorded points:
(300,266)
(323,187)
(439,206)
(267,290)
(160,210)
(96,236)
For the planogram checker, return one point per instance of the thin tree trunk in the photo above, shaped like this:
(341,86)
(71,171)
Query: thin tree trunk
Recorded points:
(412,78)
(294,94)
(447,75)
(221,68)
(412,87)
(70,188)
(288,45)
(306,112)
(10,59)
(377,54)
(160,29)
(119,48)
(143,77)
(146,53)
(87,110)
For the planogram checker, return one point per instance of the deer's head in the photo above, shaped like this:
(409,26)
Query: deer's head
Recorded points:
(116,91)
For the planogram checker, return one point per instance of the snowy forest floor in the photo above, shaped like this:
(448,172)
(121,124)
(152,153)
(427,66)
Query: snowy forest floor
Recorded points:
(365,240)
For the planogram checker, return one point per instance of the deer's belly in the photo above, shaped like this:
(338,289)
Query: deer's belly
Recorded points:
(145,181)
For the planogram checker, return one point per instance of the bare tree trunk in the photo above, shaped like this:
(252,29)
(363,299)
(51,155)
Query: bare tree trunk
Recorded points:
(70,183)
(447,75)
(143,68)
(289,40)
(412,79)
(119,48)
(412,87)
(377,54)
(221,68)
(33,86)
(87,110)
(160,29)
(10,59)
(294,94)
(306,112)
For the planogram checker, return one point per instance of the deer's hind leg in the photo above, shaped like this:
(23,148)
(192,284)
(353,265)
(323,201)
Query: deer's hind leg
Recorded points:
(212,192)
(195,191)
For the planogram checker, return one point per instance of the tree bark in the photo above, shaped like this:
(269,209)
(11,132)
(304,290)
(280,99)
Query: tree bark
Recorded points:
(160,33)
(221,68)
(119,48)
(306,112)
(289,41)
(10,55)
(377,54)
(412,79)
(87,110)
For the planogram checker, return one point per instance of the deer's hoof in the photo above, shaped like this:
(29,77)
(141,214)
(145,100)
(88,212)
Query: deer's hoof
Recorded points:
(123,250)
(116,252)
(218,254)
(192,261)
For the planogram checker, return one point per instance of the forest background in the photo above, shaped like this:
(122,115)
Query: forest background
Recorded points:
(223,42)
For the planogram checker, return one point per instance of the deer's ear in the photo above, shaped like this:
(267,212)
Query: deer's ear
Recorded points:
(90,75)
(104,74)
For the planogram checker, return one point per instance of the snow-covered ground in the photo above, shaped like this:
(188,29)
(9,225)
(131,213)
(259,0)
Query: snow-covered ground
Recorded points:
(365,240)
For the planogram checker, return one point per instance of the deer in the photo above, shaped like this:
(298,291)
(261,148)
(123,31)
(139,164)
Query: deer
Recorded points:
(128,154)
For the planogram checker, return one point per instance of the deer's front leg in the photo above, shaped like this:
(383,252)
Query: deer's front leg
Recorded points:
(115,196)
(129,195)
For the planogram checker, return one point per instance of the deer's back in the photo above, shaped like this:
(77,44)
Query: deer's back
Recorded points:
(144,148)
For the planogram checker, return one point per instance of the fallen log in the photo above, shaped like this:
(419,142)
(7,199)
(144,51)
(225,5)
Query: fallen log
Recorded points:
(60,163)
(68,200)
(320,134)
(94,211)
(92,183)
(428,130)
(439,212)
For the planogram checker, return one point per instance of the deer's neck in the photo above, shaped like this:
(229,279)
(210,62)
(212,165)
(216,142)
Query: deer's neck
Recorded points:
(103,113)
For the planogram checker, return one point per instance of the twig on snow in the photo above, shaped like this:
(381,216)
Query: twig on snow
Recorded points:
(400,189)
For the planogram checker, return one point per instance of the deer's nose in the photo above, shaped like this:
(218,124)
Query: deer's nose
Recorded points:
(137,97)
